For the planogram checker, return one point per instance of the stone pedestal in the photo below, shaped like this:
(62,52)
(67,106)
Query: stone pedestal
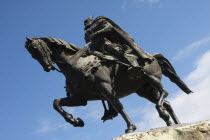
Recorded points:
(195,131)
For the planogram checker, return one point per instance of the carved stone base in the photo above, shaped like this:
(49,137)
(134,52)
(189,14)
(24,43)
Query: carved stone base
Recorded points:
(195,131)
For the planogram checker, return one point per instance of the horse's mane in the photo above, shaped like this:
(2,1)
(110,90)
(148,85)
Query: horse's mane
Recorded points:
(60,43)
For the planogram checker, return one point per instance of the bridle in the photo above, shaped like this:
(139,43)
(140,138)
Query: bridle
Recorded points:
(47,57)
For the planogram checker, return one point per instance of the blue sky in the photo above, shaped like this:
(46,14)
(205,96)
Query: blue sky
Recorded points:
(178,29)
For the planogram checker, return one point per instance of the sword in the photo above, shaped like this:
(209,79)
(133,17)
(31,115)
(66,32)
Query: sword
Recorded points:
(78,54)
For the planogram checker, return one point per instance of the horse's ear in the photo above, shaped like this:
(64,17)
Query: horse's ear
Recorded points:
(29,39)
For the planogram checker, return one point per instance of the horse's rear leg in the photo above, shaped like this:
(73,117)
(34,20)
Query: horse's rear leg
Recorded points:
(108,93)
(155,83)
(170,110)
(153,95)
(69,101)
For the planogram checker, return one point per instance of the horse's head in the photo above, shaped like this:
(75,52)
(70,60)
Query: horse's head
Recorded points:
(41,52)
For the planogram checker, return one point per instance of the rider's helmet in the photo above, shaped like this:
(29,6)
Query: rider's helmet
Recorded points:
(88,22)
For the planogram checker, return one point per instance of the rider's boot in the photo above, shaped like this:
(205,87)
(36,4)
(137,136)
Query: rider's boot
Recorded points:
(109,113)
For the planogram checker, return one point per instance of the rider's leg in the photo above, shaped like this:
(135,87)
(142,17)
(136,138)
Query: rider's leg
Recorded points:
(134,70)
(69,101)
(118,51)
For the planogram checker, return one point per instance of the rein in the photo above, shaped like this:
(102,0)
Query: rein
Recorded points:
(55,68)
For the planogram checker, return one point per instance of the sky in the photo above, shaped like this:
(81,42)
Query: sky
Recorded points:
(177,29)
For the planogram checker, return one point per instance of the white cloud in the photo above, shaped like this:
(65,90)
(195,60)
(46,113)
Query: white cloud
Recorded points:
(153,1)
(124,5)
(149,1)
(126,2)
(194,107)
(189,108)
(94,111)
(193,46)
(50,125)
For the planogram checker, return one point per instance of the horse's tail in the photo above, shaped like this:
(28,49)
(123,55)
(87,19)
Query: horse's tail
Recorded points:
(169,71)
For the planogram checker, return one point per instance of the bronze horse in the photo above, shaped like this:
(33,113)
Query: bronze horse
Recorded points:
(106,80)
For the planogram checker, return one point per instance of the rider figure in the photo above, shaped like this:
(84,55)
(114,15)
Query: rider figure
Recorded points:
(109,38)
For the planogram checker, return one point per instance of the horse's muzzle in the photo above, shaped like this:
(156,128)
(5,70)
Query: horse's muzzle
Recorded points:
(48,68)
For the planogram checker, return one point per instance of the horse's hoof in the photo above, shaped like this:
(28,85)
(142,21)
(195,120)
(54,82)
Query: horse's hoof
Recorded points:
(169,123)
(79,123)
(131,129)
(127,131)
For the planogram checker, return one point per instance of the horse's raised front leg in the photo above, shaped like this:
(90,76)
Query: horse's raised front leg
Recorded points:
(69,101)
(107,91)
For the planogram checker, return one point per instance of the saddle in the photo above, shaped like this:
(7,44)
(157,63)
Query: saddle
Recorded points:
(84,61)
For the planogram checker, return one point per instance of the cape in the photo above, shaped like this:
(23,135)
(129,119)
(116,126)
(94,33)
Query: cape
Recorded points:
(124,36)
(114,25)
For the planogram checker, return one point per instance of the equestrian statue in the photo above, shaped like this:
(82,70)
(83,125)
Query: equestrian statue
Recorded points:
(110,66)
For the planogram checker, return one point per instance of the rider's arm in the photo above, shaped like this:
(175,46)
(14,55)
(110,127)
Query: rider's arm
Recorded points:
(87,39)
